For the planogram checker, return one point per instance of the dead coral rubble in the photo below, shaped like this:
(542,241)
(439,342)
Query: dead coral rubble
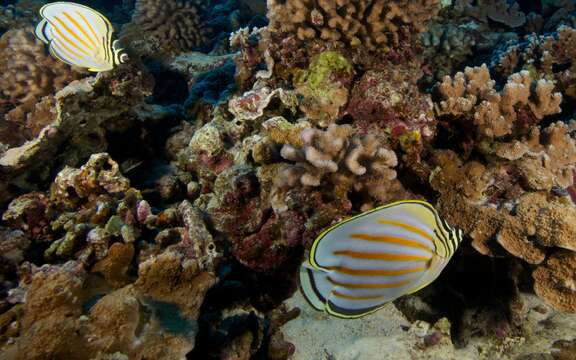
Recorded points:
(93,216)
(75,122)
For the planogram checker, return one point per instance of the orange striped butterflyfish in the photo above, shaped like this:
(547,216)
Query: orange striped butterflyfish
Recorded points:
(79,36)
(360,264)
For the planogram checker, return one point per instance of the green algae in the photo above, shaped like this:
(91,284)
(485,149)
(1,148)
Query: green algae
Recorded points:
(318,78)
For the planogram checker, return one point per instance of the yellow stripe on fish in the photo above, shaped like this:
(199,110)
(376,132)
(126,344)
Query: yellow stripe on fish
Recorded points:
(414,229)
(375,272)
(79,36)
(382,256)
(369,285)
(392,240)
(358,265)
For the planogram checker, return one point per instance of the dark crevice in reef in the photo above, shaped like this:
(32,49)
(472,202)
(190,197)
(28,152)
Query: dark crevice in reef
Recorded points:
(256,293)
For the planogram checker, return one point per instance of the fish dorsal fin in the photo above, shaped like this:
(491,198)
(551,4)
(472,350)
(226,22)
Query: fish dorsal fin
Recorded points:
(78,34)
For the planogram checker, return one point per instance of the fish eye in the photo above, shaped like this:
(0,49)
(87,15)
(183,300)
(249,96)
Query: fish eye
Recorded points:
(124,58)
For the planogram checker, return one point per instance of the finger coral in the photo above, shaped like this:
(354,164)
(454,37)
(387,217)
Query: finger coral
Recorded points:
(370,26)
(522,100)
(344,160)
(548,56)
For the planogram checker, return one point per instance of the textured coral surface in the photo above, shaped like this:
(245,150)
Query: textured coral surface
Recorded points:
(162,210)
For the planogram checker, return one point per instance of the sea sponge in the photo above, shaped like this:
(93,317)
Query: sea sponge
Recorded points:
(165,26)
(472,94)
(373,25)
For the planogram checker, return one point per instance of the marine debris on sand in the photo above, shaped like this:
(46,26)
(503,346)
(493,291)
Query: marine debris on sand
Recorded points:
(162,209)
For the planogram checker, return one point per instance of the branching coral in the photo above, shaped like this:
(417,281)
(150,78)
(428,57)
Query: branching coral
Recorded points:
(547,57)
(366,25)
(512,204)
(340,158)
(166,26)
(523,101)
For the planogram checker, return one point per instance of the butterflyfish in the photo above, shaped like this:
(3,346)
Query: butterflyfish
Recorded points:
(79,36)
(360,264)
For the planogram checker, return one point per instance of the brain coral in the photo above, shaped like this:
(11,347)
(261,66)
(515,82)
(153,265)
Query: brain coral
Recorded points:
(373,25)
(166,25)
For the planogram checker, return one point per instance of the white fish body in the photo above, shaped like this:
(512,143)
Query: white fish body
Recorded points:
(362,263)
(79,36)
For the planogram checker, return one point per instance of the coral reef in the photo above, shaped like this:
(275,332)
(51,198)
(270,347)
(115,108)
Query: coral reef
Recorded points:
(71,132)
(511,201)
(161,210)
